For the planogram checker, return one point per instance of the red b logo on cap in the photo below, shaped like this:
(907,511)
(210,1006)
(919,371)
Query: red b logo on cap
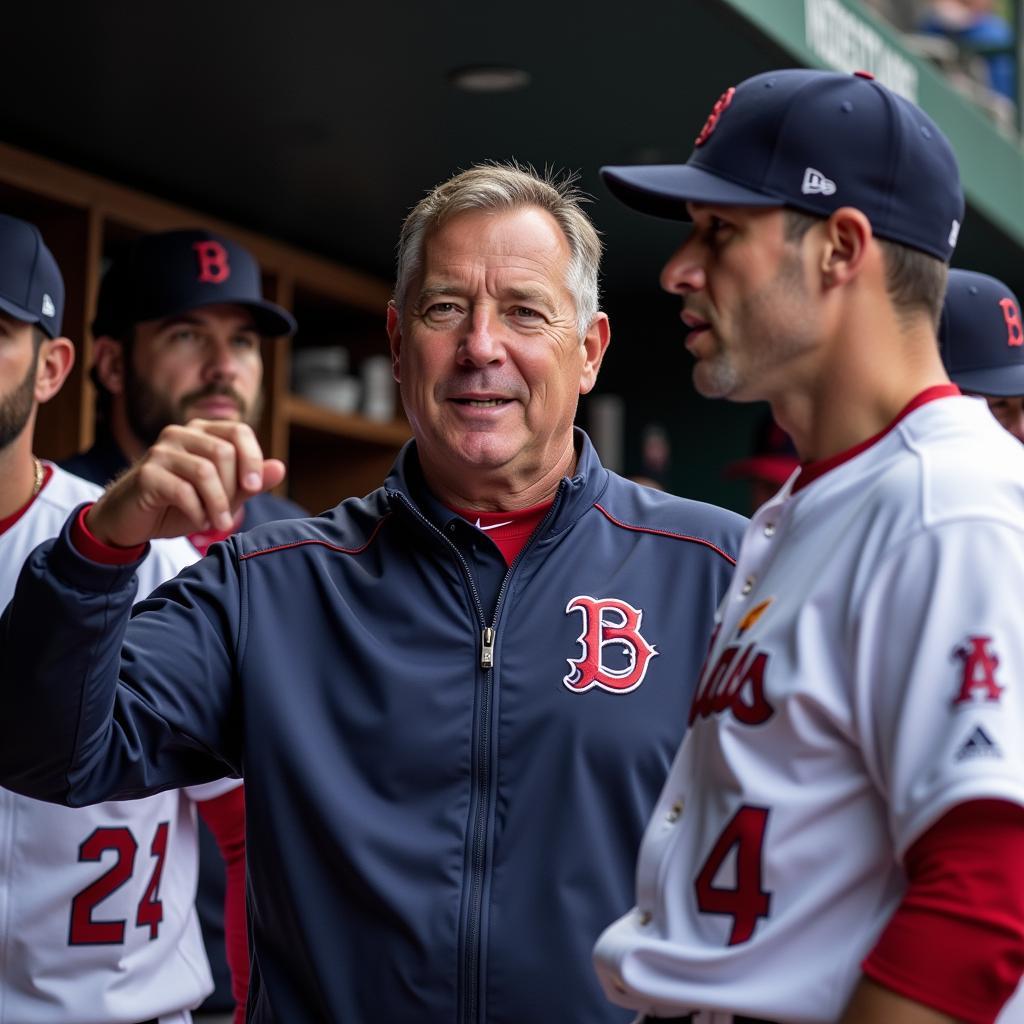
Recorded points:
(1014,328)
(213,262)
(716,112)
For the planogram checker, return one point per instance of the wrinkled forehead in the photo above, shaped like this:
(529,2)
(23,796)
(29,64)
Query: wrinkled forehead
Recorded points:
(520,254)
(517,244)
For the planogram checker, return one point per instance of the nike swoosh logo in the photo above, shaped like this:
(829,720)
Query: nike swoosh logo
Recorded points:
(493,526)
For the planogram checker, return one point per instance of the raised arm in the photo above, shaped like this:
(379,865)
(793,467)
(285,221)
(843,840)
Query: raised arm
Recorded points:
(88,713)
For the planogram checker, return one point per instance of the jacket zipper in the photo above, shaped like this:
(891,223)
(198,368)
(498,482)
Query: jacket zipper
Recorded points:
(477,860)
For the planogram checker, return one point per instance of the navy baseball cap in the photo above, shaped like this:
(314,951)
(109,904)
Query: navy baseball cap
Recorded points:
(172,272)
(980,335)
(814,141)
(31,286)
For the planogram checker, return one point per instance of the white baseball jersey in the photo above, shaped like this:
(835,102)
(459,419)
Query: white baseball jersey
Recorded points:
(864,677)
(97,915)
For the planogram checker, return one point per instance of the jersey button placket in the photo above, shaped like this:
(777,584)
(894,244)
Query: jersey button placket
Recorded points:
(675,812)
(748,585)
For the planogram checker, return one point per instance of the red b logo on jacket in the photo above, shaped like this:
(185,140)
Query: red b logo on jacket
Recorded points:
(608,622)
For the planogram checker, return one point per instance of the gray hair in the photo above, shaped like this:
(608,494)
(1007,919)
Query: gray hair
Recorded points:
(506,187)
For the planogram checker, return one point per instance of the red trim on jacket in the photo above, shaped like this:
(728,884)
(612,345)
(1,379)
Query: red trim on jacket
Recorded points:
(664,533)
(810,471)
(956,941)
(322,543)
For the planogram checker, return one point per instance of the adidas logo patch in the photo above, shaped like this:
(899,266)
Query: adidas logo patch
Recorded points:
(978,744)
(816,184)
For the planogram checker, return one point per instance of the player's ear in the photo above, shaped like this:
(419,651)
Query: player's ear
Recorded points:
(595,344)
(56,357)
(847,239)
(108,363)
(394,326)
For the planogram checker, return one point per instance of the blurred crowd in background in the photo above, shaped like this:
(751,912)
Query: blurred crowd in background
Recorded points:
(974,43)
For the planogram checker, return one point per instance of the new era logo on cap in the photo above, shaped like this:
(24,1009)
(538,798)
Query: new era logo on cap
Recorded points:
(816,184)
(49,309)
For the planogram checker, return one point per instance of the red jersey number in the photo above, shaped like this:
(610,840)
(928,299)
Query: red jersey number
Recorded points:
(746,901)
(84,930)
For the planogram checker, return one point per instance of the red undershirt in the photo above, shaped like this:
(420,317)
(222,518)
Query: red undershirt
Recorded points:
(956,941)
(509,530)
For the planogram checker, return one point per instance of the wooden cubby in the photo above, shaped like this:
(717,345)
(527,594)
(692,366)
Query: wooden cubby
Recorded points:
(85,220)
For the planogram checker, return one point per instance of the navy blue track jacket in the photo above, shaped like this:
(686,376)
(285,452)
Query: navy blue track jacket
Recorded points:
(447,771)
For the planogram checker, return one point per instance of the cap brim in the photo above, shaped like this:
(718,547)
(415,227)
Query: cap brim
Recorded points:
(999,382)
(777,469)
(663,190)
(270,319)
(19,312)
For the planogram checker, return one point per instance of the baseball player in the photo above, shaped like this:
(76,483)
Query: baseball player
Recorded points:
(97,917)
(982,349)
(841,833)
(982,344)
(180,320)
(455,699)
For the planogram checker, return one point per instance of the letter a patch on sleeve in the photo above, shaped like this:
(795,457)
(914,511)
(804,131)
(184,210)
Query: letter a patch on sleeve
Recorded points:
(978,682)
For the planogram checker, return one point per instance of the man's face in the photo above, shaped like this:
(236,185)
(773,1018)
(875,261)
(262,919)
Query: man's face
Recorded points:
(1010,413)
(746,300)
(19,357)
(487,351)
(204,363)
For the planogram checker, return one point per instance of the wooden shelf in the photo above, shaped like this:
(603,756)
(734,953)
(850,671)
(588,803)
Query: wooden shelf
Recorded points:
(86,220)
(310,416)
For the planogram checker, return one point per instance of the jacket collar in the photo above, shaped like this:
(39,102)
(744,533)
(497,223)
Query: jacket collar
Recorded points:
(575,494)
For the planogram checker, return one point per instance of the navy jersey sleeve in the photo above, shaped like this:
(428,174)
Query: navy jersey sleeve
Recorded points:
(94,706)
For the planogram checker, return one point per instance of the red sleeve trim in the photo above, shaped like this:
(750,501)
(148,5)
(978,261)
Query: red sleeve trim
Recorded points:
(664,533)
(956,941)
(87,544)
(225,817)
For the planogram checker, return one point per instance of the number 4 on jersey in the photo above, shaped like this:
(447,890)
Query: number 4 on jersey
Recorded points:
(746,901)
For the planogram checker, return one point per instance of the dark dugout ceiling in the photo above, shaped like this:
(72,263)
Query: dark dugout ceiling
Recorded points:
(321,123)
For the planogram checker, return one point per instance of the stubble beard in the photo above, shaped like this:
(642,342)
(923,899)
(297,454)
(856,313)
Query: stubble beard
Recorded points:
(16,408)
(775,327)
(148,412)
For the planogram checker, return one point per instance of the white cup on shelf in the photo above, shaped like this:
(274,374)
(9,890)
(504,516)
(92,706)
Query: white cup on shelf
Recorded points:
(378,389)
